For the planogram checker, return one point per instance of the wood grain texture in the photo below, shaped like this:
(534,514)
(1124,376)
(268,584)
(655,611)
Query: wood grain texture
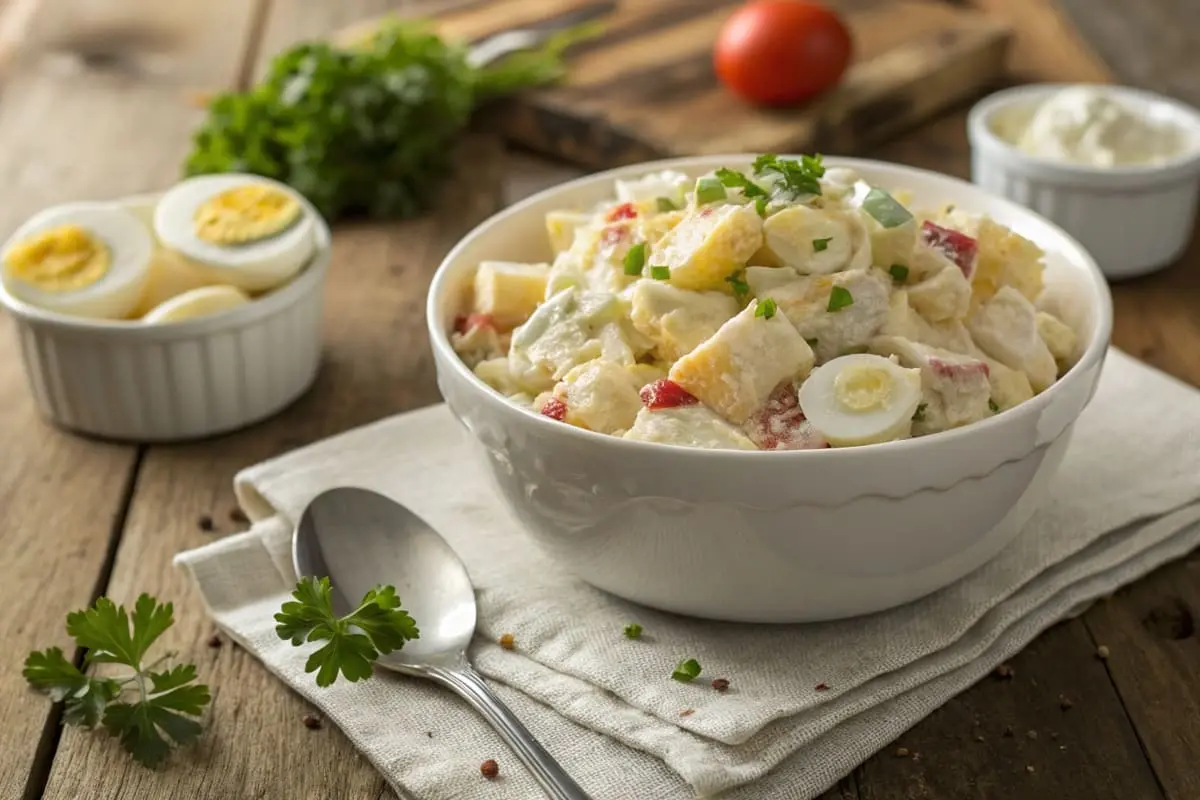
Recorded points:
(646,88)
(92,108)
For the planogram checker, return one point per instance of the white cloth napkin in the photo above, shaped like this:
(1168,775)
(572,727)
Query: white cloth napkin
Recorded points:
(806,704)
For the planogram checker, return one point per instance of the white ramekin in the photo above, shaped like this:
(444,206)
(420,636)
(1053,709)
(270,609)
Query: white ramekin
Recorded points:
(176,381)
(772,536)
(1133,220)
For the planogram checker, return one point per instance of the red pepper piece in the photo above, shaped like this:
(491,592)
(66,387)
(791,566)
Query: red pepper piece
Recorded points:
(955,245)
(555,409)
(623,211)
(666,393)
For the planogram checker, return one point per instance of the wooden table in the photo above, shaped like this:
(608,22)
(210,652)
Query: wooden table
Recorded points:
(95,106)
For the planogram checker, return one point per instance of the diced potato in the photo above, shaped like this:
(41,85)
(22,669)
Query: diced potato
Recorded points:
(1010,387)
(509,292)
(568,329)
(944,296)
(1005,327)
(762,280)
(495,373)
(905,322)
(735,371)
(648,188)
(806,303)
(709,245)
(954,388)
(561,227)
(1005,258)
(690,426)
(814,242)
(642,374)
(565,272)
(1059,338)
(677,320)
(600,396)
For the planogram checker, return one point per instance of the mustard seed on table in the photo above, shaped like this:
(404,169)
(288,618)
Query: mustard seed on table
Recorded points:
(490,769)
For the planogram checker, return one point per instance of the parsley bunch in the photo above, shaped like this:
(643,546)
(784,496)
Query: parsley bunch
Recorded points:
(147,710)
(353,642)
(365,130)
(799,178)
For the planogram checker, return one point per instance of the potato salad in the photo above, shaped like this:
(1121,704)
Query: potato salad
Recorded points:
(787,307)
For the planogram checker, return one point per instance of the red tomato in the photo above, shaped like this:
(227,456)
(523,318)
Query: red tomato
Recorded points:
(780,52)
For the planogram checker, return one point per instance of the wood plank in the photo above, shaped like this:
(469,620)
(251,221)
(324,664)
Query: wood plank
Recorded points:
(90,93)
(376,363)
(1010,739)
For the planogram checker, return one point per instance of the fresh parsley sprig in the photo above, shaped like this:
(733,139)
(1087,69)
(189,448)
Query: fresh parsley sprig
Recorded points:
(798,177)
(147,710)
(353,642)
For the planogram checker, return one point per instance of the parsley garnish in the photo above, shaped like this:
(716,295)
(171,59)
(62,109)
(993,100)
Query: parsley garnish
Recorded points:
(821,245)
(885,209)
(633,631)
(899,272)
(992,405)
(766,308)
(687,671)
(839,298)
(799,177)
(148,711)
(666,204)
(709,189)
(660,273)
(919,414)
(378,626)
(736,180)
(760,205)
(738,282)
(635,259)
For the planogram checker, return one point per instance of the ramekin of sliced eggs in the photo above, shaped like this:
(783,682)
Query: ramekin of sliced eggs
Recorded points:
(173,316)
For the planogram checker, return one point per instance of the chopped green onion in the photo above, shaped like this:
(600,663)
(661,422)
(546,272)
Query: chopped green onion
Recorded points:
(660,273)
(740,287)
(899,272)
(633,631)
(839,298)
(635,259)
(885,209)
(820,245)
(736,180)
(687,671)
(760,205)
(666,204)
(919,414)
(992,405)
(766,308)
(709,189)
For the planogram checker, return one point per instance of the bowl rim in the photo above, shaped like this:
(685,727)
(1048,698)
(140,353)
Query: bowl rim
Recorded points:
(1185,164)
(1092,355)
(259,308)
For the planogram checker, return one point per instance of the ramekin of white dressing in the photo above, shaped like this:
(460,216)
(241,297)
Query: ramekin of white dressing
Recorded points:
(1118,168)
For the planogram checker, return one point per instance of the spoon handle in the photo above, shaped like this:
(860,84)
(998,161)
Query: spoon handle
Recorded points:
(466,682)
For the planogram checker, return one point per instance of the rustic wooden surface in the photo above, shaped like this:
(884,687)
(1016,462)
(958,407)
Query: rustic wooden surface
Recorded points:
(93,105)
(646,89)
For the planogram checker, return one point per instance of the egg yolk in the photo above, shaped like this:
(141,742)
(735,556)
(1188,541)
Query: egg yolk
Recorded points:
(245,214)
(863,388)
(61,259)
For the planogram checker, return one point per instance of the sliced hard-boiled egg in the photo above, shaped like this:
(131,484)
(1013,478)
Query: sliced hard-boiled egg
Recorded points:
(82,259)
(861,399)
(170,273)
(202,302)
(242,230)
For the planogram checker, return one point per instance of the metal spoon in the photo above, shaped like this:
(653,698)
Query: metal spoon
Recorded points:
(358,539)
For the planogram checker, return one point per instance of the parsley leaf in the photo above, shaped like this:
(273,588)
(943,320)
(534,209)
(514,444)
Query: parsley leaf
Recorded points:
(839,298)
(633,631)
(995,409)
(765,309)
(899,272)
(353,642)
(738,281)
(919,414)
(798,177)
(821,245)
(660,273)
(687,671)
(149,711)
(736,180)
(635,259)
(760,205)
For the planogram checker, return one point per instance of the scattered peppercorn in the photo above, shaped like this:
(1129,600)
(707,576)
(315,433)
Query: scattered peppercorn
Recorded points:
(1064,702)
(687,712)
(1005,671)
(312,722)
(1031,735)
(508,643)
(1102,653)
(238,516)
(206,524)
(429,734)
(901,752)
(822,687)
(720,684)
(214,641)
(490,769)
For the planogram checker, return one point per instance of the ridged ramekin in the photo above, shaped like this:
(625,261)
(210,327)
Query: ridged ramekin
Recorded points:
(1133,219)
(176,381)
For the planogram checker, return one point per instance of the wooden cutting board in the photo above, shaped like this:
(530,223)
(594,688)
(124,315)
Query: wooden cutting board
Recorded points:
(646,88)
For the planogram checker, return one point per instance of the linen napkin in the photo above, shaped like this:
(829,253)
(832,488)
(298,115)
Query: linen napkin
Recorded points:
(806,703)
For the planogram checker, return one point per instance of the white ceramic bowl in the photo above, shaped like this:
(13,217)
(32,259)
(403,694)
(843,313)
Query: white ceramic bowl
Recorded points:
(772,536)
(1133,219)
(175,381)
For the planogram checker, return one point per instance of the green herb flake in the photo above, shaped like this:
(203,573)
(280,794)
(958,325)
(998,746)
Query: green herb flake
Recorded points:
(660,273)
(885,209)
(839,298)
(633,631)
(635,259)
(736,180)
(709,189)
(799,178)
(899,272)
(766,308)
(687,671)
(919,414)
(666,204)
(738,282)
(992,405)
(760,205)
(821,245)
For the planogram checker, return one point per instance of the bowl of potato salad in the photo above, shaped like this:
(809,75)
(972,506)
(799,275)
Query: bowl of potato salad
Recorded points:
(769,388)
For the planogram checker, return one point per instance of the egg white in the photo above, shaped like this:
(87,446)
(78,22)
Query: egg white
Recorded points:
(202,302)
(117,292)
(843,427)
(254,266)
